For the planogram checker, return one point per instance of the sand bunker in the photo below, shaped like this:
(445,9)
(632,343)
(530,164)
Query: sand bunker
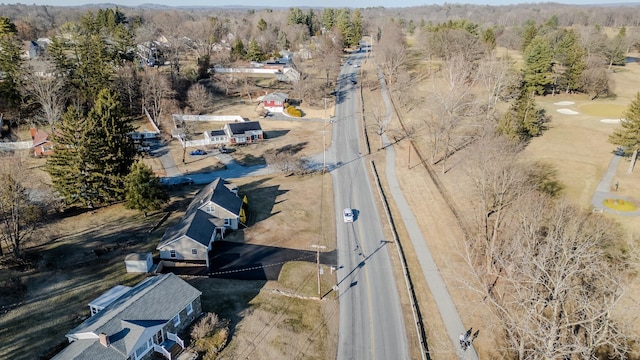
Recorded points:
(611,121)
(568,112)
(564,103)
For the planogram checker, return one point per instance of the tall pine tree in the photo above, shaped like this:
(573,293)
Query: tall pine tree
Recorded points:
(112,152)
(69,168)
(538,58)
(627,136)
(92,155)
(9,63)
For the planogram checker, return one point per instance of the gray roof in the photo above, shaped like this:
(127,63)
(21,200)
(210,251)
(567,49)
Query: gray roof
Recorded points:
(242,127)
(144,308)
(219,132)
(199,225)
(277,96)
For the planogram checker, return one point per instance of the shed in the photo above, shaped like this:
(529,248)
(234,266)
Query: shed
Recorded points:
(138,262)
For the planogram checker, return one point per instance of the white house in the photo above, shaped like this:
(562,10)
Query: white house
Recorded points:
(212,211)
(135,323)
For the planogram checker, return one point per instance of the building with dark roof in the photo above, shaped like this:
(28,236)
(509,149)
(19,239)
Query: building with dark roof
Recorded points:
(244,132)
(213,210)
(134,323)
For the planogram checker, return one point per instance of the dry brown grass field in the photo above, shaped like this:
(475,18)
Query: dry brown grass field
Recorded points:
(575,144)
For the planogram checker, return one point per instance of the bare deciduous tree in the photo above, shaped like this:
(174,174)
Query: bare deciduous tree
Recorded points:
(497,76)
(19,214)
(46,91)
(595,79)
(391,52)
(556,287)
(199,98)
(499,182)
(453,105)
(156,90)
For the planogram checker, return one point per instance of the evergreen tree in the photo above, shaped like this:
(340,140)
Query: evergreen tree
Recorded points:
(254,51)
(112,152)
(143,190)
(614,50)
(69,168)
(524,120)
(570,54)
(489,38)
(9,63)
(357,27)
(238,50)
(529,32)
(538,58)
(262,25)
(328,18)
(296,16)
(627,135)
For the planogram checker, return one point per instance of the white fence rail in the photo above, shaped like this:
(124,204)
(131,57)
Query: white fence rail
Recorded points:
(18,145)
(183,117)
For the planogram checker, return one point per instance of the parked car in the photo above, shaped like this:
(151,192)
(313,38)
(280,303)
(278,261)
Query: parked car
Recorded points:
(347,215)
(198,152)
(176,181)
(223,150)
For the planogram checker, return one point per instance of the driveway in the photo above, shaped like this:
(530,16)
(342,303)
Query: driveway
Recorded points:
(235,260)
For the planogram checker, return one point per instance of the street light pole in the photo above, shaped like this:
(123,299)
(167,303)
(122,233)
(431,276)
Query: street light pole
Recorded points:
(318,247)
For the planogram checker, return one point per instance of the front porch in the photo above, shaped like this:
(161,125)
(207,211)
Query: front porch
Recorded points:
(169,349)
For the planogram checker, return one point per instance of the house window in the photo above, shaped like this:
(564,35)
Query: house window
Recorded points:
(189,308)
(176,320)
(227,222)
(172,253)
(194,251)
(211,209)
(142,350)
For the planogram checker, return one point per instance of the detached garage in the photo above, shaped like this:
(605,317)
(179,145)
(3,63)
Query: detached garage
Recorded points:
(138,262)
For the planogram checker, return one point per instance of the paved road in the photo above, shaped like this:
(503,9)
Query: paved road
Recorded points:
(603,191)
(438,288)
(232,169)
(371,318)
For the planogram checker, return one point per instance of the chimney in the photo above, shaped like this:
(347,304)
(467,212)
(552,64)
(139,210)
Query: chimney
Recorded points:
(104,340)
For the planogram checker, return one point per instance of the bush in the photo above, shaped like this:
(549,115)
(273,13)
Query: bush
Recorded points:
(291,110)
(207,324)
(210,335)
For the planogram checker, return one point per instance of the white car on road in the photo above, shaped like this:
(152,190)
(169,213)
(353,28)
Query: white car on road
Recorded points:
(347,215)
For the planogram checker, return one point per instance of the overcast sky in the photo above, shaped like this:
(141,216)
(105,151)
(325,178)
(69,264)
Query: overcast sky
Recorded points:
(306,3)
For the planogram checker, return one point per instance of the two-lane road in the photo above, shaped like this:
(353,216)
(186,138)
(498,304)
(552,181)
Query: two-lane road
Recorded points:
(371,319)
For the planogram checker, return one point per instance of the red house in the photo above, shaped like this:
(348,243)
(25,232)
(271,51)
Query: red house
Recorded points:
(41,144)
(274,102)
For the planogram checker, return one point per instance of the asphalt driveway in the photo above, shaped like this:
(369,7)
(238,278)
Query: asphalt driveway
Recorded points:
(233,260)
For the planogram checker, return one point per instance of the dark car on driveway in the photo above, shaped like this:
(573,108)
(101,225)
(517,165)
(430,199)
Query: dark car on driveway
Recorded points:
(176,181)
(198,152)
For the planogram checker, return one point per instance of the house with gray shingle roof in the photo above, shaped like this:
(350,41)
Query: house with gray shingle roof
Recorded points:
(141,321)
(213,210)
(274,101)
(244,132)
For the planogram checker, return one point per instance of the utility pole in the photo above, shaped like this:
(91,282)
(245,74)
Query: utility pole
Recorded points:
(318,247)
(324,139)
